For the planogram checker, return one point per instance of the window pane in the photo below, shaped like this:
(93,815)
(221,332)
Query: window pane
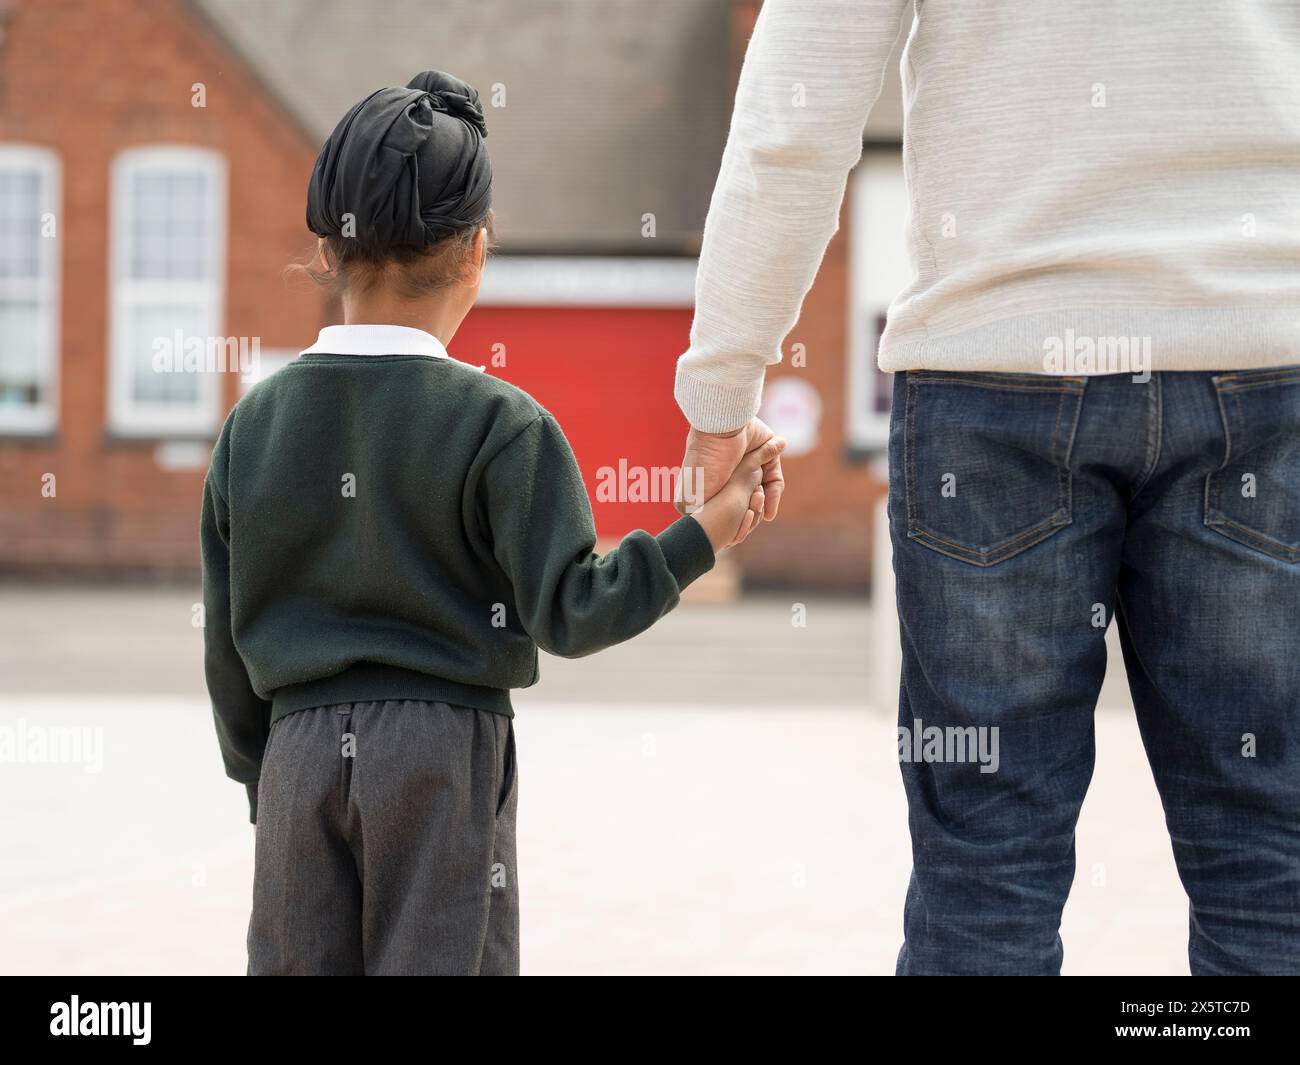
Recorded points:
(20,223)
(169,237)
(22,327)
(149,324)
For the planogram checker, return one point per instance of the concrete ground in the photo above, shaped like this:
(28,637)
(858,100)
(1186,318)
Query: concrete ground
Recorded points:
(719,796)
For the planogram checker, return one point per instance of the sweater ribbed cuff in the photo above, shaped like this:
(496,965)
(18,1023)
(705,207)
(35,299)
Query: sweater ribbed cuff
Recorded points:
(252,802)
(717,408)
(687,550)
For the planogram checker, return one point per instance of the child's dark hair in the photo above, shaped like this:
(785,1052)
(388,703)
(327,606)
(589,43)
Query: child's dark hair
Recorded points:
(343,264)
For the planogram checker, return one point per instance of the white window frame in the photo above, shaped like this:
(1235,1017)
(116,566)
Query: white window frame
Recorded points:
(879,268)
(126,416)
(43,417)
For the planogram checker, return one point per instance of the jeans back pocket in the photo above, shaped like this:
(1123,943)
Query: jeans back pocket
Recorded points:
(987,460)
(1254,496)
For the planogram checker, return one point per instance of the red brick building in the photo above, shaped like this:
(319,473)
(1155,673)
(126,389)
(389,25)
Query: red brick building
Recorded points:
(154,156)
(98,116)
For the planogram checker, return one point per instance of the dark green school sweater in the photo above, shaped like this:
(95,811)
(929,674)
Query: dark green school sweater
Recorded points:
(404,527)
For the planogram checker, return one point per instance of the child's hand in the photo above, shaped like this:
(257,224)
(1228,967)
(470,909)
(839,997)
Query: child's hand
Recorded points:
(734,509)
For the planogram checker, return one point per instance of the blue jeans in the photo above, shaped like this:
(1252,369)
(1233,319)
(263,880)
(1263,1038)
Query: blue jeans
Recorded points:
(1027,511)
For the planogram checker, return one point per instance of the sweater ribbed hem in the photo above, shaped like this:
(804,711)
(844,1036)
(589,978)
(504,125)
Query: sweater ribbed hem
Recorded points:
(686,549)
(370,682)
(1230,338)
(717,408)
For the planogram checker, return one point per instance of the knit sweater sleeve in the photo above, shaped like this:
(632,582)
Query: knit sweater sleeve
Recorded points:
(810,77)
(243,719)
(569,600)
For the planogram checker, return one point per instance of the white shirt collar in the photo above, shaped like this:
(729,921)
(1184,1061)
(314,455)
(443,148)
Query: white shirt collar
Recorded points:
(376,340)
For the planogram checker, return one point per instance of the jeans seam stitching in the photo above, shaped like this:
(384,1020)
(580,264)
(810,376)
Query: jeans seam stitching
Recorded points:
(1237,384)
(909,455)
(1291,552)
(998,552)
(1157,433)
(957,378)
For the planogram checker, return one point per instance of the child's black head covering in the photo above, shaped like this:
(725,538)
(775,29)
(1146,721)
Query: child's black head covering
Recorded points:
(408,164)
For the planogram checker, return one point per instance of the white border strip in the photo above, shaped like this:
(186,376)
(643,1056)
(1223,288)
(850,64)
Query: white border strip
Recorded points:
(582,281)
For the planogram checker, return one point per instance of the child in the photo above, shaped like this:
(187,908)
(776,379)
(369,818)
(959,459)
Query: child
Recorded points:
(388,536)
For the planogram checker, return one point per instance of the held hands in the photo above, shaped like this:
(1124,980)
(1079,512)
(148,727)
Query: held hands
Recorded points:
(730,514)
(710,461)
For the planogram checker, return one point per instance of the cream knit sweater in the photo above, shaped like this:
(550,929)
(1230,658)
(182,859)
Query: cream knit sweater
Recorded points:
(1080,174)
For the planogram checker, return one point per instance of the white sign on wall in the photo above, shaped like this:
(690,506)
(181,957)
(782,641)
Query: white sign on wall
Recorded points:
(793,409)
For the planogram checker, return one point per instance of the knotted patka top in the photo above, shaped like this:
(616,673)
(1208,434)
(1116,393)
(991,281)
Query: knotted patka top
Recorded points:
(405,166)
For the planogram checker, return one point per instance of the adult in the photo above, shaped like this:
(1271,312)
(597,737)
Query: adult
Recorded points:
(1096,414)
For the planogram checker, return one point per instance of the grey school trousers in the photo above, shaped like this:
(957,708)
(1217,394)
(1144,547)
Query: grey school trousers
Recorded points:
(386,843)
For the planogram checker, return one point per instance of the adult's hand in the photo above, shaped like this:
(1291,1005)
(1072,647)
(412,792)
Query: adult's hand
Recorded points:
(709,462)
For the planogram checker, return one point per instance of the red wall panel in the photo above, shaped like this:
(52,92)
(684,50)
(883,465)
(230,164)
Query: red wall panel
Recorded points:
(607,376)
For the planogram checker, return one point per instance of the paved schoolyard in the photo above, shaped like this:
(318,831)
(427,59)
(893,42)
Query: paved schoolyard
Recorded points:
(719,796)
